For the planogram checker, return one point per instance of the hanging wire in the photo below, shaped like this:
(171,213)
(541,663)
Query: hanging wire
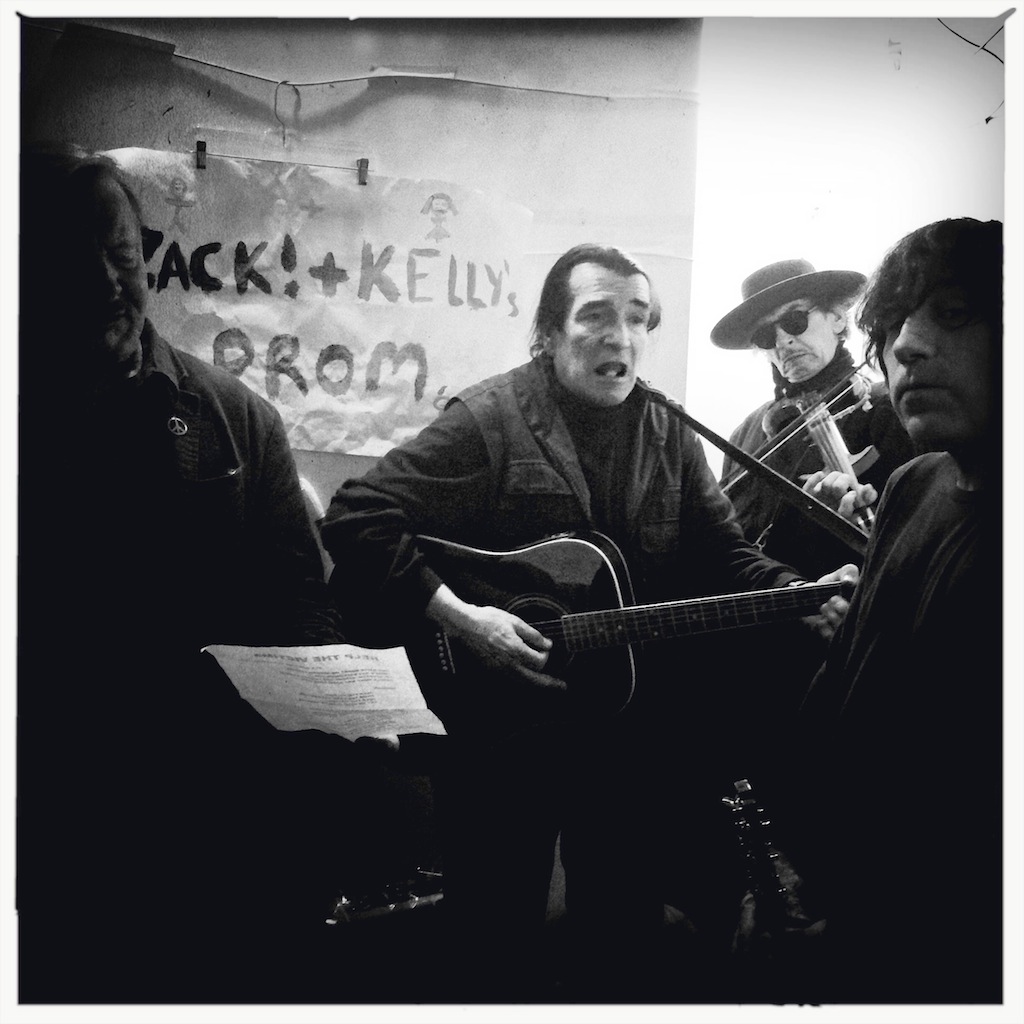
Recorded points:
(991,116)
(367,78)
(979,46)
(370,77)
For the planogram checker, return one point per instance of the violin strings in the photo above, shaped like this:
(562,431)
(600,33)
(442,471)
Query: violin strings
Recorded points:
(826,436)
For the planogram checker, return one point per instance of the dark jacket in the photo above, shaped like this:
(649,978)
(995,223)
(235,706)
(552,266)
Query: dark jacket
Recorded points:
(183,499)
(156,808)
(680,537)
(499,468)
(254,560)
(903,727)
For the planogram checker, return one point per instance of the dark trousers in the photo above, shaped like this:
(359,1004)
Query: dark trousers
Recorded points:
(604,789)
(173,854)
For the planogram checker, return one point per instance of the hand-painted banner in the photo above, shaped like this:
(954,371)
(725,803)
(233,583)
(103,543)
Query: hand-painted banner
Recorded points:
(356,309)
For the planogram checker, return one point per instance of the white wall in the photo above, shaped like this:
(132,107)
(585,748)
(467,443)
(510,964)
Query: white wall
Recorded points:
(829,139)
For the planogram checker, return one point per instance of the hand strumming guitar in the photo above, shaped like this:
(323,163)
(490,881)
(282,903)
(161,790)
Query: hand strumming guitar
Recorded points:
(500,639)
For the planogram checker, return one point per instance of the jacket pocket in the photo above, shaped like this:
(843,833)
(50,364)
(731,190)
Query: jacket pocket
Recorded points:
(534,502)
(214,508)
(659,522)
(534,476)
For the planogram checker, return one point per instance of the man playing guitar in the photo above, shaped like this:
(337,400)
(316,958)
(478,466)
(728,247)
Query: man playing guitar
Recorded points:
(571,441)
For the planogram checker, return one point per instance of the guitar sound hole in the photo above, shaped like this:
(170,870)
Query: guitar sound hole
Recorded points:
(538,608)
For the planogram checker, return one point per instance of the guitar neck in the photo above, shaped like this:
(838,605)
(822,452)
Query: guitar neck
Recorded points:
(584,631)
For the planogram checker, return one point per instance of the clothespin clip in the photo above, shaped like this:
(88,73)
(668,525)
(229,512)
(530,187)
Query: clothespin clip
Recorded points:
(362,167)
(200,155)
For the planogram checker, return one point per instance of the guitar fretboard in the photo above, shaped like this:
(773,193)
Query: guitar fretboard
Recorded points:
(589,630)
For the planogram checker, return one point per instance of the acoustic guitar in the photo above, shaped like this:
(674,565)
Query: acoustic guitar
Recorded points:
(575,589)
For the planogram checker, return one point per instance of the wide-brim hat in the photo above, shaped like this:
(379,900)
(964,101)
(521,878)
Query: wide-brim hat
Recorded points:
(778,283)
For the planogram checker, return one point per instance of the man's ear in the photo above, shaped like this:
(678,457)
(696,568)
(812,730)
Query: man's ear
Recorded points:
(838,321)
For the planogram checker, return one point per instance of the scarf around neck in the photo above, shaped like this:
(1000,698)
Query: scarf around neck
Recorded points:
(839,367)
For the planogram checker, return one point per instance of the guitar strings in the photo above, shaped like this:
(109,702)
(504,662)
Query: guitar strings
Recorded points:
(597,625)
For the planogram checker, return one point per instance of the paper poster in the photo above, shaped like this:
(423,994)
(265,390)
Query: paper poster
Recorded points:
(357,310)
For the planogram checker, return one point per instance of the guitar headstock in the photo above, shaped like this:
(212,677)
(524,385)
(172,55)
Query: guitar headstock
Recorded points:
(424,889)
(771,877)
(743,805)
(752,829)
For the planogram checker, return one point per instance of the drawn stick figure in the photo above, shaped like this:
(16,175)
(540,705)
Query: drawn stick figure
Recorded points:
(439,205)
(177,199)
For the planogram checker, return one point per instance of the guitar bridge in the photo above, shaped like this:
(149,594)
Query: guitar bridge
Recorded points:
(444,652)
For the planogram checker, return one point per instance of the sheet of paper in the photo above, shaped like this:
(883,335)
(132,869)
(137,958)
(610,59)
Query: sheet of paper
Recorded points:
(337,688)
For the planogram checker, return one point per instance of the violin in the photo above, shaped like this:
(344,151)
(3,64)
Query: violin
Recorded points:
(821,425)
(789,417)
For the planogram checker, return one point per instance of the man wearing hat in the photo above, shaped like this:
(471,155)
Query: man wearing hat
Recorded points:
(798,317)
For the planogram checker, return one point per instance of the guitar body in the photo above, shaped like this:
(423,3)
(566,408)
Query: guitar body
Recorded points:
(540,583)
(574,589)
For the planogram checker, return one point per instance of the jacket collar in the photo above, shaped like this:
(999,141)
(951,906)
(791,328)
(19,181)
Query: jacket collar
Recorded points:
(158,359)
(547,424)
(200,450)
(535,393)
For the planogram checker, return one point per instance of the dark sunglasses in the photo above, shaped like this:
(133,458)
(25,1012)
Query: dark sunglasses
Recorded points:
(794,322)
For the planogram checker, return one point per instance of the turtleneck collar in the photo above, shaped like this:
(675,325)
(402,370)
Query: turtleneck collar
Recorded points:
(577,411)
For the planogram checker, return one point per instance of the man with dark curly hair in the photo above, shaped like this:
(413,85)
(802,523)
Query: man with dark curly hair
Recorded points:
(908,703)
